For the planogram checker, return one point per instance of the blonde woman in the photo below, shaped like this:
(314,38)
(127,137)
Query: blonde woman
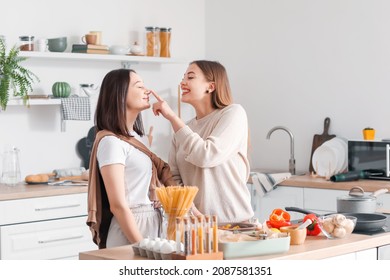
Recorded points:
(210,151)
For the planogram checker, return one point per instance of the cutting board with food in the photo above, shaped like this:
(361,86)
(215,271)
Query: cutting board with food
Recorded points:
(319,139)
(77,173)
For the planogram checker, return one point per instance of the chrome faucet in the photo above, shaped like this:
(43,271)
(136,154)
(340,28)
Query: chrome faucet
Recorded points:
(291,165)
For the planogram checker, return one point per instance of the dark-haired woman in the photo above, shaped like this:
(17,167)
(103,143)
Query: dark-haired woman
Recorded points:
(123,172)
(210,151)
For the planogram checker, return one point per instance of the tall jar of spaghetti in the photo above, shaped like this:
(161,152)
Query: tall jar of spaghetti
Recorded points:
(152,41)
(165,38)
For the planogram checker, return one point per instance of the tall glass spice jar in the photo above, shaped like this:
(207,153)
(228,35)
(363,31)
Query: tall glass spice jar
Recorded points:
(165,37)
(26,43)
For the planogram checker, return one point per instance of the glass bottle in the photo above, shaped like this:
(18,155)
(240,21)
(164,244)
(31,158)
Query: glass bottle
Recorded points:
(208,234)
(200,234)
(215,234)
(193,235)
(187,238)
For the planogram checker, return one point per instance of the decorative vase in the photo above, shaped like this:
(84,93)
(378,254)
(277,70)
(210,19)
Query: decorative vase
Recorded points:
(61,89)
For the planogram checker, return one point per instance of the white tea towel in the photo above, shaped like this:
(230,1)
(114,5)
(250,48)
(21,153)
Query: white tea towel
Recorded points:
(76,108)
(266,182)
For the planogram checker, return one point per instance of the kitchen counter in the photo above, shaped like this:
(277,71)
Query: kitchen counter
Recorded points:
(314,248)
(318,182)
(23,190)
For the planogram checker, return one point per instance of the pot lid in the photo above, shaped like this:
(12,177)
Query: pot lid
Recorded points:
(356,198)
(357,194)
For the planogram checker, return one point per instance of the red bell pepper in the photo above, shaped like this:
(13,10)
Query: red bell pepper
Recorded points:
(279,218)
(313,229)
(278,224)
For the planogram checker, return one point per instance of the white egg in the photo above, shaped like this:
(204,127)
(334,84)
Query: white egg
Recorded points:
(144,243)
(157,246)
(166,248)
(150,245)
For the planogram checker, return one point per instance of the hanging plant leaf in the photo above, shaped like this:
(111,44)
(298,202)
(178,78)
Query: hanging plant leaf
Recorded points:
(13,75)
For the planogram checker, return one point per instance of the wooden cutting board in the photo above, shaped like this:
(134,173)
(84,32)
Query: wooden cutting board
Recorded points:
(319,139)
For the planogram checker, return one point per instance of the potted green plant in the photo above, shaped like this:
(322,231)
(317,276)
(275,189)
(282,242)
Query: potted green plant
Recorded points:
(13,75)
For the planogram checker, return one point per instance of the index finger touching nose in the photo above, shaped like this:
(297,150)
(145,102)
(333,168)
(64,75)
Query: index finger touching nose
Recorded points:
(156,96)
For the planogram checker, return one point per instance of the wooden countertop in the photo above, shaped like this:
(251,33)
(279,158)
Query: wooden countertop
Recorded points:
(314,248)
(22,190)
(313,182)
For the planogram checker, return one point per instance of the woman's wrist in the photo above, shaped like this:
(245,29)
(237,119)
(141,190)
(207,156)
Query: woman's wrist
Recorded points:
(176,123)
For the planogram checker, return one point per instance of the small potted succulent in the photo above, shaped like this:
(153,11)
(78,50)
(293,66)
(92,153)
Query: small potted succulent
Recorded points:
(13,76)
(368,133)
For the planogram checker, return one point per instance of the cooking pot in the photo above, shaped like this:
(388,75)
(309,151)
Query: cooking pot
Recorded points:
(366,222)
(358,202)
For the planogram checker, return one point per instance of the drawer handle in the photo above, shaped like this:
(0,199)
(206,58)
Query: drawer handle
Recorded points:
(59,239)
(57,207)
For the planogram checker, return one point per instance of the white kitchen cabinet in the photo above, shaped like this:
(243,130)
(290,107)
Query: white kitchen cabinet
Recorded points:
(321,201)
(369,254)
(52,227)
(277,198)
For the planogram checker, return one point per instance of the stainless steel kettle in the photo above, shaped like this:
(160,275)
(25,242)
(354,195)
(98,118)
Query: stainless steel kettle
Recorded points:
(11,168)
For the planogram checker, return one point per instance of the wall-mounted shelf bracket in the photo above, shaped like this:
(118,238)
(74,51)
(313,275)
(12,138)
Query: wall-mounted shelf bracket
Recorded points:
(127,64)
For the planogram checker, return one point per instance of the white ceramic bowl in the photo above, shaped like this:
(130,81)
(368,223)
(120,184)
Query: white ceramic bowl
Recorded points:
(119,50)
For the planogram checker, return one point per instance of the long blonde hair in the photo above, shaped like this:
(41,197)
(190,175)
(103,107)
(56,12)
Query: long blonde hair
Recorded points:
(215,72)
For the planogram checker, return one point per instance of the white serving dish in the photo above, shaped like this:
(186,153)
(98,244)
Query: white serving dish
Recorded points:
(254,248)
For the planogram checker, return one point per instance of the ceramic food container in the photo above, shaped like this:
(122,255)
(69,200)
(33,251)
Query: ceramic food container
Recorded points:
(297,236)
(57,44)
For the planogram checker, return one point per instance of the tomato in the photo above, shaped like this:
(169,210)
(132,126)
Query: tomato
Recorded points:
(313,229)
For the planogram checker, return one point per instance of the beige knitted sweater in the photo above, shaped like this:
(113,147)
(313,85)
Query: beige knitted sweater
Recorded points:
(211,153)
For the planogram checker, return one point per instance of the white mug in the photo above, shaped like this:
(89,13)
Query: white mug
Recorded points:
(41,45)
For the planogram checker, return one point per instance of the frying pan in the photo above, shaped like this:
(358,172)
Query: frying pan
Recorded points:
(365,221)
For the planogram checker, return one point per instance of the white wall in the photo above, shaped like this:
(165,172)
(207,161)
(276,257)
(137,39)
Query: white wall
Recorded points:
(36,130)
(293,63)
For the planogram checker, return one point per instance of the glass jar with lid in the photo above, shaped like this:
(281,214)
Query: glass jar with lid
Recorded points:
(165,38)
(26,43)
(152,41)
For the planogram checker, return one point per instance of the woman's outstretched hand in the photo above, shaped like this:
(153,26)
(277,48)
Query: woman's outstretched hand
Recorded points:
(162,107)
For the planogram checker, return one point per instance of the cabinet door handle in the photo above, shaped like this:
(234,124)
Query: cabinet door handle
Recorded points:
(59,239)
(57,207)
(387,160)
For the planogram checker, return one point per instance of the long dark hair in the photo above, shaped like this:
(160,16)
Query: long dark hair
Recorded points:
(216,72)
(110,111)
